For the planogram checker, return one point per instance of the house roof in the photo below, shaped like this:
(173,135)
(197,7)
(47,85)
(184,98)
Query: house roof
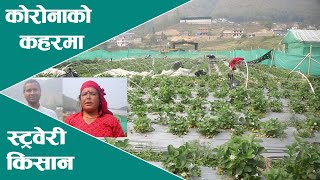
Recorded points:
(306,35)
(195,18)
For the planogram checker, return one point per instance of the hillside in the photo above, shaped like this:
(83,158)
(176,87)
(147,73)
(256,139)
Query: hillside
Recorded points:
(307,11)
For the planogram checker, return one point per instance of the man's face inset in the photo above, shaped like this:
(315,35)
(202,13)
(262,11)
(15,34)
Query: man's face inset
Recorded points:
(32,93)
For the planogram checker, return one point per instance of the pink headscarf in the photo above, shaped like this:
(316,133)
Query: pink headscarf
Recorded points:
(103,103)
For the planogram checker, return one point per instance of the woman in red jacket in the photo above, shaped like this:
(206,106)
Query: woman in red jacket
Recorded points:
(95,117)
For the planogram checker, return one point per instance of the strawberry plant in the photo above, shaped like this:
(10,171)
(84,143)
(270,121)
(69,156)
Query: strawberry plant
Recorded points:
(209,126)
(122,144)
(156,106)
(202,92)
(257,101)
(305,133)
(142,125)
(312,123)
(222,92)
(194,116)
(238,97)
(178,126)
(180,107)
(275,93)
(238,130)
(275,105)
(180,161)
(241,157)
(163,118)
(197,103)
(140,110)
(303,160)
(227,118)
(251,121)
(185,100)
(184,92)
(277,174)
(166,94)
(296,105)
(273,128)
(217,105)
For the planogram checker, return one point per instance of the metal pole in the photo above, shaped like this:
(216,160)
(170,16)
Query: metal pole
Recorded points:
(310,54)
(272,59)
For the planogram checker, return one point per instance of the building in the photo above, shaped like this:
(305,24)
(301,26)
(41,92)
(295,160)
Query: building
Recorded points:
(124,39)
(302,42)
(235,33)
(196,20)
(202,32)
(279,32)
(122,42)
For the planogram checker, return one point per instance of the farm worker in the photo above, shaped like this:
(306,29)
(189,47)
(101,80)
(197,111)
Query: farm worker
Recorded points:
(232,66)
(32,94)
(95,117)
(235,61)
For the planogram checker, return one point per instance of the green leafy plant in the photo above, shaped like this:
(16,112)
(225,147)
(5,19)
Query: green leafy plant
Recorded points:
(275,105)
(209,126)
(241,157)
(163,118)
(140,110)
(180,161)
(312,123)
(303,160)
(166,94)
(227,118)
(217,105)
(277,174)
(238,130)
(238,97)
(122,144)
(305,133)
(178,126)
(251,121)
(142,125)
(257,101)
(148,155)
(202,92)
(180,107)
(296,105)
(273,128)
(222,92)
(194,116)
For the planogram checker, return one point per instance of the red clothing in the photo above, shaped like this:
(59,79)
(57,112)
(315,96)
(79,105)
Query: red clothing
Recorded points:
(235,61)
(104,126)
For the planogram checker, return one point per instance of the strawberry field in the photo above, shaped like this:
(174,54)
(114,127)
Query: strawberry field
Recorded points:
(198,128)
